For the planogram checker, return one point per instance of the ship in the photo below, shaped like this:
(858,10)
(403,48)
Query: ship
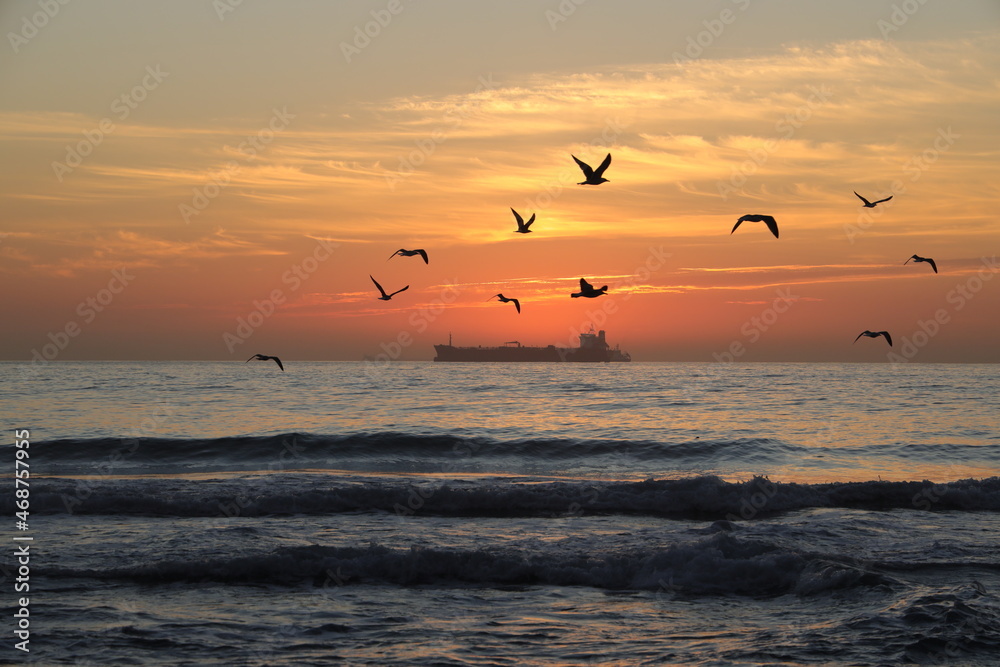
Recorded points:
(593,348)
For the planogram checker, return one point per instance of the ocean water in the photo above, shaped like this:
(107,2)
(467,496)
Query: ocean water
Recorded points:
(506,514)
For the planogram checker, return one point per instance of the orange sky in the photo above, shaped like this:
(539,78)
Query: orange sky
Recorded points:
(170,169)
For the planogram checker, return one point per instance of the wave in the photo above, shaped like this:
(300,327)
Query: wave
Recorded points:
(306,450)
(385,451)
(705,497)
(718,564)
(368,444)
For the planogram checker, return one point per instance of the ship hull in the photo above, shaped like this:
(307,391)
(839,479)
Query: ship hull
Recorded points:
(519,354)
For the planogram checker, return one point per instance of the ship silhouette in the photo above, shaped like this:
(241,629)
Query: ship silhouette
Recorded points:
(593,348)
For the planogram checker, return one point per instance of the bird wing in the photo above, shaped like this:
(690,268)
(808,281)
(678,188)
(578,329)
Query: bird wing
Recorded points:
(423,253)
(398,291)
(250,359)
(394,254)
(520,220)
(604,165)
(737,224)
(771,223)
(860,335)
(882,200)
(587,171)
(585,286)
(530,220)
(863,199)
(517,304)
(377,285)
(278,361)
(887,336)
(908,261)
(931,262)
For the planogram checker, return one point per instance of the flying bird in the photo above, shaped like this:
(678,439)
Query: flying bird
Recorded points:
(410,253)
(503,299)
(386,297)
(871,204)
(587,291)
(594,177)
(522,226)
(264,357)
(875,334)
(766,219)
(930,261)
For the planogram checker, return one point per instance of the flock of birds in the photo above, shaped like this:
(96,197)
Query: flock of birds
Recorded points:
(596,177)
(587,291)
(772,225)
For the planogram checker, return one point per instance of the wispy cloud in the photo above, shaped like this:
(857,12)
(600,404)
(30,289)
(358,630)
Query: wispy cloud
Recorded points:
(85,253)
(683,130)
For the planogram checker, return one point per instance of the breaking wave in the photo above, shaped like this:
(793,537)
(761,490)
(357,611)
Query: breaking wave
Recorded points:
(705,497)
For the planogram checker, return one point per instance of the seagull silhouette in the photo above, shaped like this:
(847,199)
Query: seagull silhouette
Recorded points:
(264,357)
(594,177)
(503,299)
(386,297)
(587,291)
(756,217)
(930,261)
(410,253)
(875,334)
(522,226)
(871,204)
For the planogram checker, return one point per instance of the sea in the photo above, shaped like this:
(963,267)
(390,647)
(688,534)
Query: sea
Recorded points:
(419,513)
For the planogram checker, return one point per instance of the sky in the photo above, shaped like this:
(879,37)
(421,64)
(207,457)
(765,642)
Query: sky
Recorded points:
(208,180)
